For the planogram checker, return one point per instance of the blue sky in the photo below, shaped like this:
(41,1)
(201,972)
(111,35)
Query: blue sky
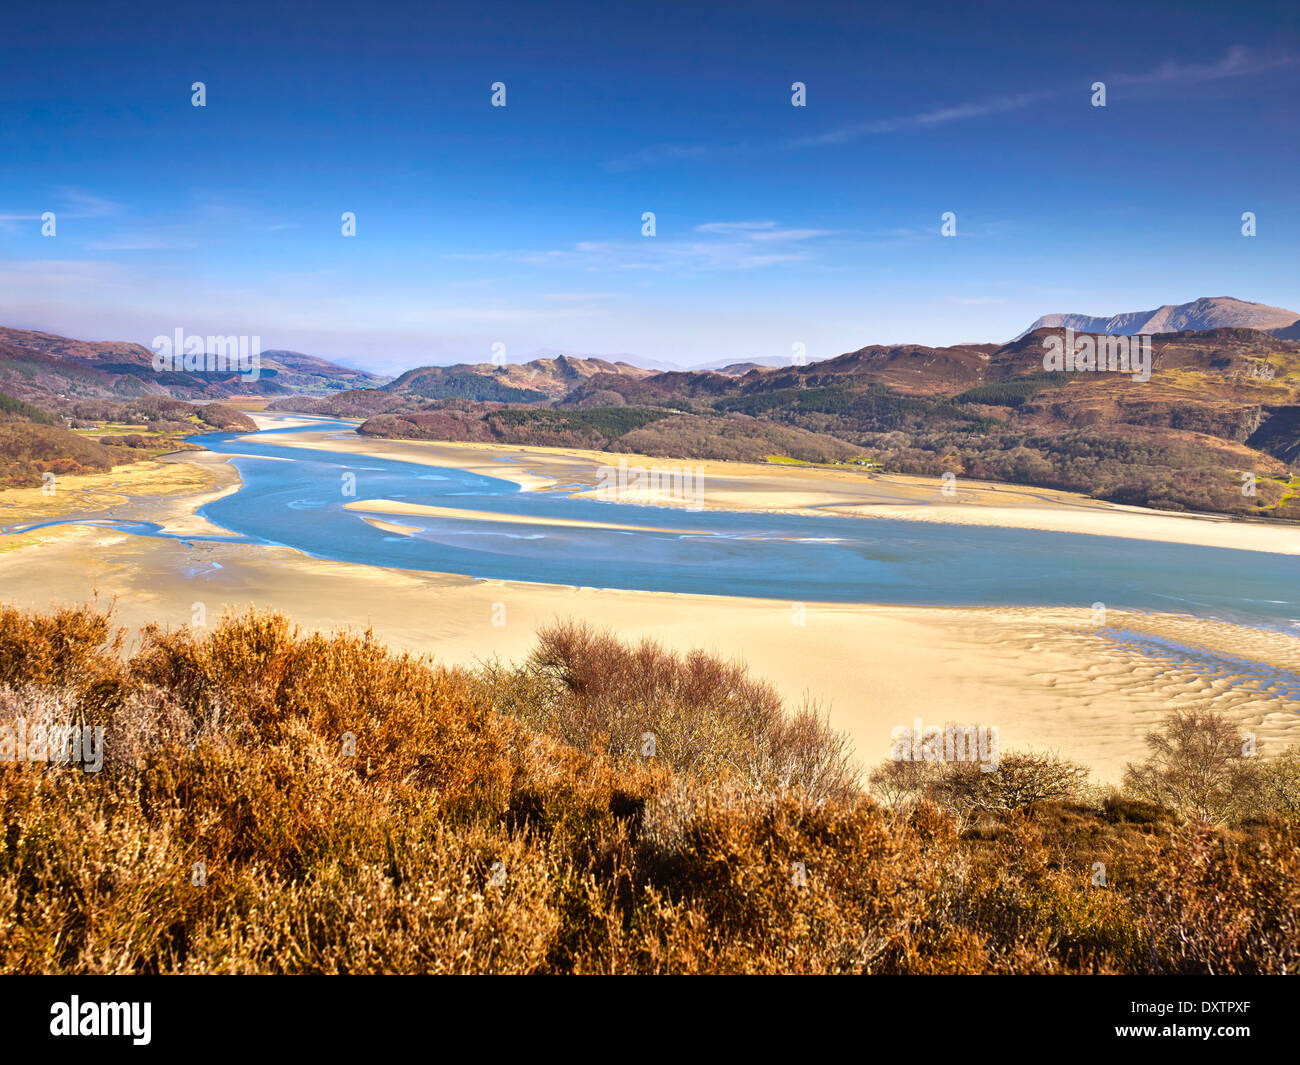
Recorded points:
(521,225)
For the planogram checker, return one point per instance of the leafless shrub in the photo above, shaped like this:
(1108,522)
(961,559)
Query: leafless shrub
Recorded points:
(1020,780)
(900,783)
(699,714)
(1278,783)
(1196,767)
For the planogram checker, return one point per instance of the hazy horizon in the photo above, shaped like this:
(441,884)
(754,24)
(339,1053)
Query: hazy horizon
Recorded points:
(550,353)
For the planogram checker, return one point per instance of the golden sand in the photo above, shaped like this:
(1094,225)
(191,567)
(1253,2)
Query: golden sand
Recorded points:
(1046,677)
(149,490)
(390,526)
(391,506)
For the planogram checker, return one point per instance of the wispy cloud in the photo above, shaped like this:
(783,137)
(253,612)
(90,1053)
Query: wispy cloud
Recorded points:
(12,223)
(733,227)
(207,221)
(738,246)
(938,116)
(65,203)
(1237,62)
(78,204)
(761,231)
(139,242)
(658,155)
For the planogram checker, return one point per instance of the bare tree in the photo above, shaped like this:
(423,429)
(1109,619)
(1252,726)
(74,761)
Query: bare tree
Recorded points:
(1196,767)
(1019,780)
(1279,783)
(900,782)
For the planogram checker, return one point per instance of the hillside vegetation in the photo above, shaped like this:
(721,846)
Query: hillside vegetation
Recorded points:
(272,801)
(1220,405)
(637,430)
(29,450)
(93,436)
(15,410)
(44,368)
(1216,428)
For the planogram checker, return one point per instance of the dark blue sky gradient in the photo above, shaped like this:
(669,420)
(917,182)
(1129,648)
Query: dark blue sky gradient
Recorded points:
(776,225)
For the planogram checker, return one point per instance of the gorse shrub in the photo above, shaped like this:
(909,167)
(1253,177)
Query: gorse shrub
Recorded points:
(274,801)
(399,719)
(72,651)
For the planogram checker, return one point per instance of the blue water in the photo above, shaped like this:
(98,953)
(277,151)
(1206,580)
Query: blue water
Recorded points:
(299,503)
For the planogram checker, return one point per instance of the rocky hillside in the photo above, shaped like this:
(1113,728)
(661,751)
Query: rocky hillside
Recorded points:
(43,366)
(522,382)
(540,381)
(1221,407)
(1218,312)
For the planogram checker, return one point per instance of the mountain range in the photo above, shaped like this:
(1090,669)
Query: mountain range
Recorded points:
(1220,414)
(36,365)
(1221,408)
(1216,312)
(1209,312)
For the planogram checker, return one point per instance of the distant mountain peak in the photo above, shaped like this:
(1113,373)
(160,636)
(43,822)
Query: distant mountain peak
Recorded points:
(1208,312)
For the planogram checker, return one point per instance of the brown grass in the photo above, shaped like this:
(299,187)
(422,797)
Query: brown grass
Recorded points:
(283,802)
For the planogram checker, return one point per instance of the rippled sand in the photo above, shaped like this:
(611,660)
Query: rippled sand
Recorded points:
(1046,677)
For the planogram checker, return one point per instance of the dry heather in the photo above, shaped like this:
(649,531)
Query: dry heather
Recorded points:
(280,802)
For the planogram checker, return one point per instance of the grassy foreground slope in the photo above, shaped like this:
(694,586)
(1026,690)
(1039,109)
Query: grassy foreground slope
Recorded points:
(279,802)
